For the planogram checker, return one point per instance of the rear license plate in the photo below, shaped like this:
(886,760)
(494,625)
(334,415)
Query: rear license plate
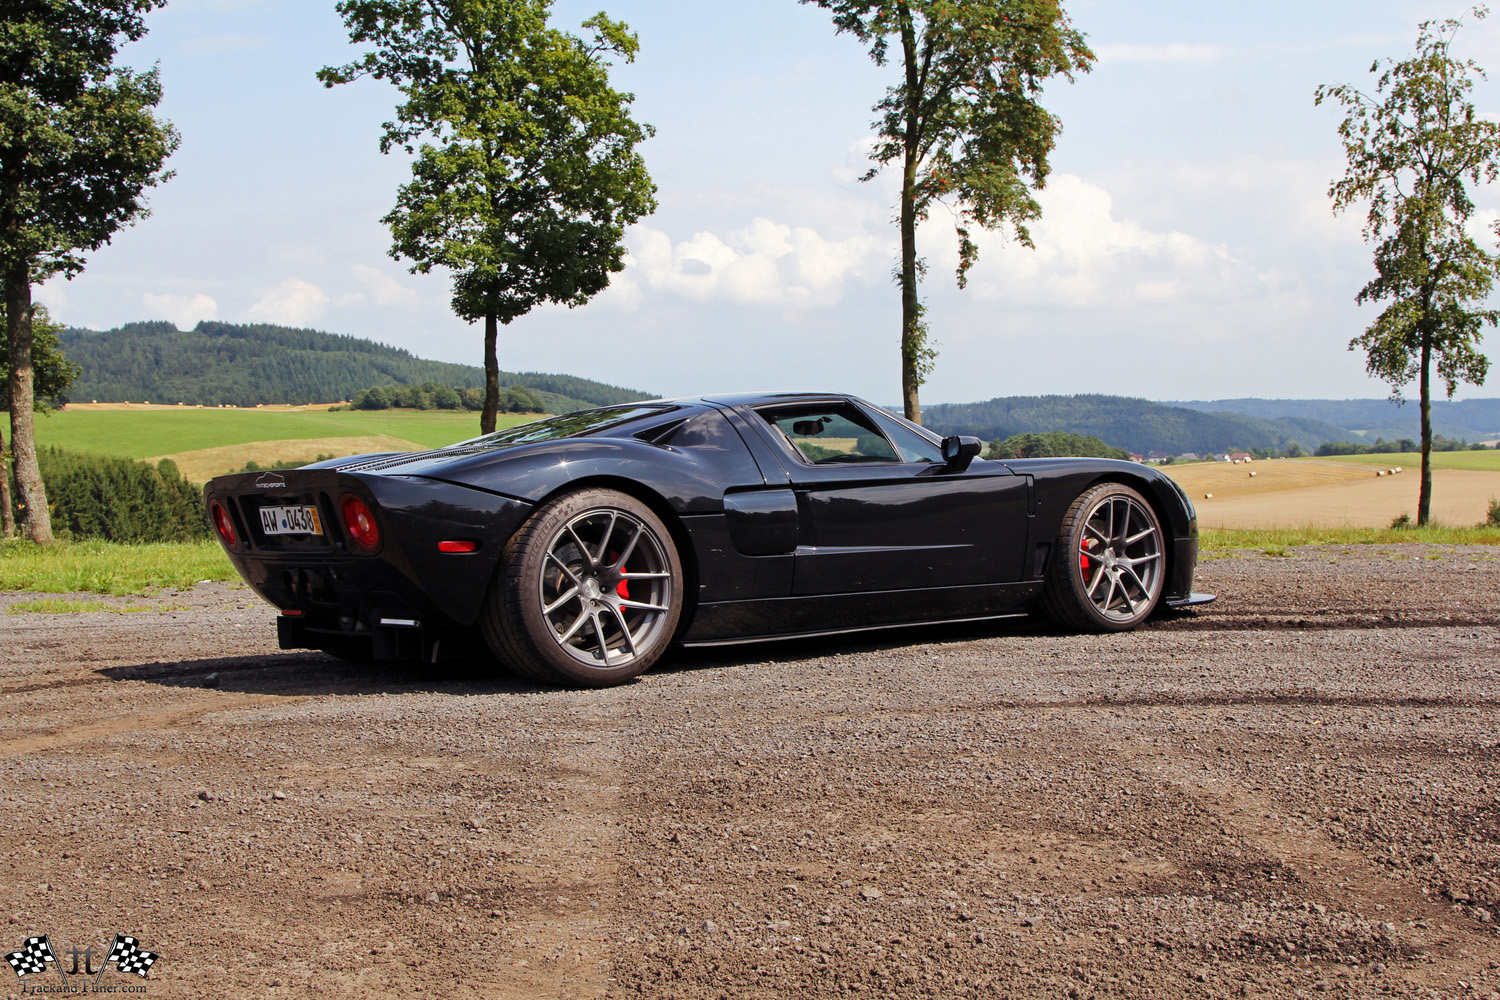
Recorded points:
(301,519)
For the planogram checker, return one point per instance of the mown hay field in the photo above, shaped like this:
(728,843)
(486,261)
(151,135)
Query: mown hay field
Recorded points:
(1339,492)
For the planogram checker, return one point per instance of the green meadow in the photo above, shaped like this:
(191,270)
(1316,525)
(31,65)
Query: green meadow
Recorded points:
(1476,461)
(149,433)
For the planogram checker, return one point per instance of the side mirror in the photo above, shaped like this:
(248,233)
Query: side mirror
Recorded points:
(959,451)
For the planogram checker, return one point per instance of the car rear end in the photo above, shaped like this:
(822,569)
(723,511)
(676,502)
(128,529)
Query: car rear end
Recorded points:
(364,564)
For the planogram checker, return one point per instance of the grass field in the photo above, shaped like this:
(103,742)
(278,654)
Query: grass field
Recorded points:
(109,568)
(208,442)
(1332,493)
(1478,461)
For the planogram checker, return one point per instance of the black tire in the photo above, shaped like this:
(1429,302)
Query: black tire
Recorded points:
(589,592)
(1109,563)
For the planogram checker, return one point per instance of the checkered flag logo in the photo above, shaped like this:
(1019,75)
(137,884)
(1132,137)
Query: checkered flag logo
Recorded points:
(128,956)
(33,957)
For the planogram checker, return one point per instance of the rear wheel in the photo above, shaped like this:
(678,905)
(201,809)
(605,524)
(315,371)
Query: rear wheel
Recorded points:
(589,591)
(1109,563)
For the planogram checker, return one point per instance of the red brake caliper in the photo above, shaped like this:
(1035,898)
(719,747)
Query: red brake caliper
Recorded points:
(1083,558)
(624,586)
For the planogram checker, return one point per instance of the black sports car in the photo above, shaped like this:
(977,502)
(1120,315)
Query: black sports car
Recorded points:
(580,548)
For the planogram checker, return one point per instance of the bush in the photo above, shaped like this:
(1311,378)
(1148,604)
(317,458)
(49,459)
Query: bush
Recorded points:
(1493,517)
(93,496)
(254,466)
(1401,521)
(1053,444)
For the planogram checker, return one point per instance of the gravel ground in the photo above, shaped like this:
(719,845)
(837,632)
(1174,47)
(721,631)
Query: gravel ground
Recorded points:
(1290,793)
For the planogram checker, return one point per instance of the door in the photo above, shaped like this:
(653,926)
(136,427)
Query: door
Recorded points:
(880,511)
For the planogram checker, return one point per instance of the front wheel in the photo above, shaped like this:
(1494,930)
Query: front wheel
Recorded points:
(1109,562)
(589,592)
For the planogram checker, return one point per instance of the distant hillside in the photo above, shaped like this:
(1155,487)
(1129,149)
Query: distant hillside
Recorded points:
(247,364)
(1135,424)
(1469,419)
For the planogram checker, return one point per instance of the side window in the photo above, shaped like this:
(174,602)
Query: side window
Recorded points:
(914,448)
(830,433)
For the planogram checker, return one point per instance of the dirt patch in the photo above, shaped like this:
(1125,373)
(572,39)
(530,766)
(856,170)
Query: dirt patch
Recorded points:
(1302,493)
(1291,793)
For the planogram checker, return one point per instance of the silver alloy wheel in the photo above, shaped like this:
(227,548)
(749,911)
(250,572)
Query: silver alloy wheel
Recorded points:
(1120,557)
(605,587)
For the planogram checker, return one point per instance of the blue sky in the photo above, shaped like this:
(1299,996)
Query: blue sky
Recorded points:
(1187,248)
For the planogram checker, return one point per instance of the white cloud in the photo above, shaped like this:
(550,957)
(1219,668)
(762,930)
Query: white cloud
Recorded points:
(185,311)
(1086,257)
(763,264)
(380,288)
(294,302)
(1173,52)
(53,294)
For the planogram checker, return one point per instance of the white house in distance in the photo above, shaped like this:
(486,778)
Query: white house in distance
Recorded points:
(1239,456)
(1156,457)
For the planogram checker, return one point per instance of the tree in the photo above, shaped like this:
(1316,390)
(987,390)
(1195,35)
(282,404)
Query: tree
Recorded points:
(1414,147)
(526,170)
(965,124)
(52,371)
(79,144)
(53,374)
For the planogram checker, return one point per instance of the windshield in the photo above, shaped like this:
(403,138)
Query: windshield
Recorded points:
(567,425)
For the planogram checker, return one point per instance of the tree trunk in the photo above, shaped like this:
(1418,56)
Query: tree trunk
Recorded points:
(7,505)
(911,306)
(491,375)
(1424,498)
(35,518)
(912,333)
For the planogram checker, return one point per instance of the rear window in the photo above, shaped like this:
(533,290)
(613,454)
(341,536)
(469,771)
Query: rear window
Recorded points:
(567,425)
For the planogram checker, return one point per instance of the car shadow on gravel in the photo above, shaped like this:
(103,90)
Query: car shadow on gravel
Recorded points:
(878,640)
(311,673)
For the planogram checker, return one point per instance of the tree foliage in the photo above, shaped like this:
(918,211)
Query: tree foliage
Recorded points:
(431,396)
(120,500)
(526,171)
(1053,444)
(246,364)
(1122,422)
(1414,147)
(79,144)
(54,373)
(964,123)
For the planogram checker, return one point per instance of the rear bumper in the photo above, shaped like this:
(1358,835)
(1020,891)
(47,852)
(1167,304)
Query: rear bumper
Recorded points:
(333,588)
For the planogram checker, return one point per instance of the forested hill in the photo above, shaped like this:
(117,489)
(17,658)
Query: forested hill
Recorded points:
(247,364)
(1467,420)
(1136,424)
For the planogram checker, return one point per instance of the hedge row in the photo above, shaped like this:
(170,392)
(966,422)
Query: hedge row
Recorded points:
(120,500)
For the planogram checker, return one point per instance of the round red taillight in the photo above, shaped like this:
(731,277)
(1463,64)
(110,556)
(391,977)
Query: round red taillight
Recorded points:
(360,520)
(223,523)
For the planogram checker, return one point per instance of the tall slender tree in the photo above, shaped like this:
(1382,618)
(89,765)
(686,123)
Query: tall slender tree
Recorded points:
(79,144)
(526,171)
(965,124)
(1414,147)
(53,374)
